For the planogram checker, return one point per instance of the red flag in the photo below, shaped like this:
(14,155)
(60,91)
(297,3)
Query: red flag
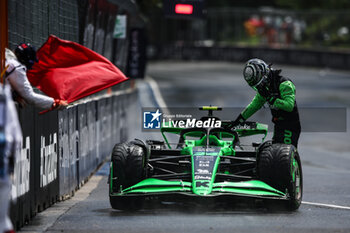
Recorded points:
(69,71)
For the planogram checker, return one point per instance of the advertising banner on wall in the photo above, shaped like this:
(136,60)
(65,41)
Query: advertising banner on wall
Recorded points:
(137,53)
(120,27)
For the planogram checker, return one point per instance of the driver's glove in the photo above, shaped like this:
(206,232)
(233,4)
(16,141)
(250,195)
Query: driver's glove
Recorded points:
(268,96)
(263,91)
(271,100)
(239,120)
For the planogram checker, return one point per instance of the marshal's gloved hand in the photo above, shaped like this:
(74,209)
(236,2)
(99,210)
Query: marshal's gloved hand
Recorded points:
(59,104)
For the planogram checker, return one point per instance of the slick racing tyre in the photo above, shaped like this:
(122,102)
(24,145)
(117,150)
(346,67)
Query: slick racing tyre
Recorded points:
(127,169)
(279,166)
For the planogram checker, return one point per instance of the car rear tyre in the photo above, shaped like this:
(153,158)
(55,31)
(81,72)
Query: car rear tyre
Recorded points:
(279,166)
(127,169)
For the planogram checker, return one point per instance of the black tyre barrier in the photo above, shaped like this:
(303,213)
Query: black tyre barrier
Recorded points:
(61,149)
(303,57)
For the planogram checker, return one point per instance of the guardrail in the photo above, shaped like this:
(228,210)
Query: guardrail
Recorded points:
(303,57)
(62,148)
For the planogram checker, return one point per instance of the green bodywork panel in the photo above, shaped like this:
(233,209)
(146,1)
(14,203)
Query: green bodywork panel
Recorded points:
(157,185)
(252,187)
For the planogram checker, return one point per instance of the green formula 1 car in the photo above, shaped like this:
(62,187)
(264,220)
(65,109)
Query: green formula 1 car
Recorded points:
(205,163)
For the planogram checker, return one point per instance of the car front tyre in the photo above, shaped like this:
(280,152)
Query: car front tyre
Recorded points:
(279,166)
(127,169)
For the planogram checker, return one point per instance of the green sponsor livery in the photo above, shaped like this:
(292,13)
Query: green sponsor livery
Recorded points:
(287,136)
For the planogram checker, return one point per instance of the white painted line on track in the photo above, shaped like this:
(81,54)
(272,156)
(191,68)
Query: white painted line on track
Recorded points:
(157,95)
(326,205)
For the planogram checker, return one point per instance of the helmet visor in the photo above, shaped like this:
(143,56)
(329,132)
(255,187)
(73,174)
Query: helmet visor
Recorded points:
(251,76)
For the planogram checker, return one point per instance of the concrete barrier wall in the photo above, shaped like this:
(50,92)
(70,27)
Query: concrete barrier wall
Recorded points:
(303,57)
(62,148)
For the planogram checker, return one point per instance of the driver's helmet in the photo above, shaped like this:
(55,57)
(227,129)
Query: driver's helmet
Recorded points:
(255,72)
(26,54)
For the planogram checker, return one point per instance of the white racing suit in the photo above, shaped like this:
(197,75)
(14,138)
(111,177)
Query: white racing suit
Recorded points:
(17,77)
(11,142)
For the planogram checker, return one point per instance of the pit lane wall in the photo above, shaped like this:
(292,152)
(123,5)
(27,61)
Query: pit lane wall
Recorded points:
(292,56)
(62,148)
